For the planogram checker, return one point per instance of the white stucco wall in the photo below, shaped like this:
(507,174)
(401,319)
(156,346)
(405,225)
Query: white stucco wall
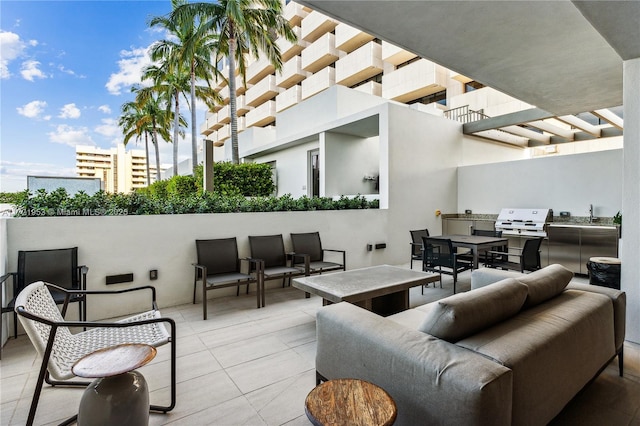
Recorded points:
(327,106)
(562,183)
(111,245)
(424,151)
(347,160)
(630,279)
(291,168)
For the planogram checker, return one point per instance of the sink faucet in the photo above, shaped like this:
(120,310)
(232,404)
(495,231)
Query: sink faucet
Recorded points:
(591,213)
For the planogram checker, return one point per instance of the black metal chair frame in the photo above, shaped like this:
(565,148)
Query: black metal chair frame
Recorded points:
(43,375)
(416,244)
(528,257)
(433,260)
(77,275)
(276,263)
(219,272)
(309,243)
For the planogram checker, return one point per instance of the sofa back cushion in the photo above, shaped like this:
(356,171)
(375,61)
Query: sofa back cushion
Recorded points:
(464,314)
(545,283)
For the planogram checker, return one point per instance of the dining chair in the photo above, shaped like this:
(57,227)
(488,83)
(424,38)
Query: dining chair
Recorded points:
(528,257)
(439,256)
(416,244)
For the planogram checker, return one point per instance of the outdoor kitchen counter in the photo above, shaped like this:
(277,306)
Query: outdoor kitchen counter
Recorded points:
(573,244)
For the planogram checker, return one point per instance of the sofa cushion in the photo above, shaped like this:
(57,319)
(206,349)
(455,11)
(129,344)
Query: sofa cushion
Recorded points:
(545,283)
(461,315)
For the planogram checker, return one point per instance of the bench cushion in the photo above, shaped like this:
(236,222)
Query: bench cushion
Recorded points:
(464,314)
(545,283)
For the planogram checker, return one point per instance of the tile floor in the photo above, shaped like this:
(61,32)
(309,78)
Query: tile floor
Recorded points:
(248,366)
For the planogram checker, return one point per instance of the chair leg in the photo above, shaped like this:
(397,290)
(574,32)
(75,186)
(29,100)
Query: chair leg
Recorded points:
(162,408)
(204,299)
(195,285)
(36,393)
(15,325)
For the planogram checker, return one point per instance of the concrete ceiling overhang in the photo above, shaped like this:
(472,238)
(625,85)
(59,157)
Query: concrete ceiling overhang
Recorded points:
(561,56)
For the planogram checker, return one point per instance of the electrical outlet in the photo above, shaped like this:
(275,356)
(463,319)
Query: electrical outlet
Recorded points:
(153,274)
(369,247)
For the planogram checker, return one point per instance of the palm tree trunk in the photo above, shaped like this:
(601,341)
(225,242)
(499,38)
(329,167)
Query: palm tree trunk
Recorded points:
(194,135)
(146,153)
(155,143)
(176,124)
(232,101)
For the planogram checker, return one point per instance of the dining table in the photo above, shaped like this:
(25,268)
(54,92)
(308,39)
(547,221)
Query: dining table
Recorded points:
(476,243)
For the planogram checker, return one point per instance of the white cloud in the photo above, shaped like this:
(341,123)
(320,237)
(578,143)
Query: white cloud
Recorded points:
(11,47)
(105,109)
(109,128)
(13,175)
(130,68)
(72,136)
(30,70)
(70,72)
(69,111)
(33,109)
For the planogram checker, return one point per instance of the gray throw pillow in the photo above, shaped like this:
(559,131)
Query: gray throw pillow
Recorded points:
(545,283)
(464,314)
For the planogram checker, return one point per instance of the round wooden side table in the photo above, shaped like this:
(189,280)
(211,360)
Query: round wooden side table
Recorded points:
(351,402)
(119,395)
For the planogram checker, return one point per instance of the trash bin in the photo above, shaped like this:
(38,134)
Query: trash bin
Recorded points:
(604,271)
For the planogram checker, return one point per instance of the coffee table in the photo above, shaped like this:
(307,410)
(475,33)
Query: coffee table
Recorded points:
(350,402)
(381,289)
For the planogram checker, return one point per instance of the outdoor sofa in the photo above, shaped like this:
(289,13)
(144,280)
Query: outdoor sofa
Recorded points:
(513,351)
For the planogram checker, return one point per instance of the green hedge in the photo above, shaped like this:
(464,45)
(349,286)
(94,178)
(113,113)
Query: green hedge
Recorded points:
(59,203)
(247,179)
(237,188)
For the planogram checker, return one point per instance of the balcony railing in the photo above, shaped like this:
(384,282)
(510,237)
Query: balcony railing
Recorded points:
(464,115)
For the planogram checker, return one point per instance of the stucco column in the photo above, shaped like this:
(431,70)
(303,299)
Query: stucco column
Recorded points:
(630,250)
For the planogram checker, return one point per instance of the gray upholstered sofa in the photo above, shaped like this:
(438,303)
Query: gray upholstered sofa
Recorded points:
(512,351)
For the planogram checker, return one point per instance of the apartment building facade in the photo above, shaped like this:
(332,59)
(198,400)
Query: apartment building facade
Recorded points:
(120,171)
(330,53)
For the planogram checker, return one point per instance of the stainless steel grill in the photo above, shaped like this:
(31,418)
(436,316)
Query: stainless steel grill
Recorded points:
(531,222)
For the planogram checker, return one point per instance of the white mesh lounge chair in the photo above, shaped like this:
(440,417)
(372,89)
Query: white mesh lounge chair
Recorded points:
(60,348)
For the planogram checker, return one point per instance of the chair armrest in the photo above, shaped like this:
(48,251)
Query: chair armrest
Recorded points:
(508,253)
(254,264)
(306,259)
(87,292)
(337,251)
(344,256)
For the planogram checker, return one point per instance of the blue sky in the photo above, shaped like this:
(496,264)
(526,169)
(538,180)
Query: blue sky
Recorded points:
(65,70)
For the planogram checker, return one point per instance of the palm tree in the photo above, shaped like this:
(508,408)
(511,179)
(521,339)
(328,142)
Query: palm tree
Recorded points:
(170,80)
(147,116)
(192,48)
(157,116)
(131,122)
(243,27)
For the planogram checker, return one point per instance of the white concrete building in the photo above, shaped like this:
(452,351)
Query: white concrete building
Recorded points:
(120,170)
(283,115)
